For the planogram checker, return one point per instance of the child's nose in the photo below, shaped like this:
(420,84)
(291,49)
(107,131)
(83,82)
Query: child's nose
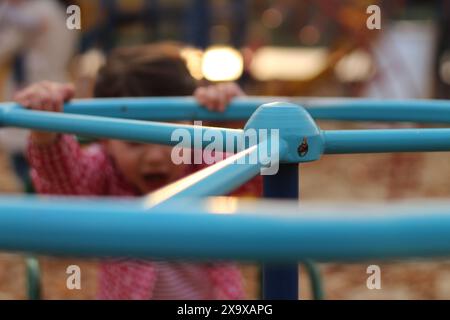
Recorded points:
(157,155)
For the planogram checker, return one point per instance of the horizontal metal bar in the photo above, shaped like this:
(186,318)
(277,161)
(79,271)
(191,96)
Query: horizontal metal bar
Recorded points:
(158,108)
(335,141)
(163,108)
(385,140)
(356,109)
(348,109)
(103,127)
(224,229)
(187,108)
(220,178)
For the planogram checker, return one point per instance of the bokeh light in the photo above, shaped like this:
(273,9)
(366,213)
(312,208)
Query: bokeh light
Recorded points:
(272,18)
(309,35)
(222,64)
(193,58)
(444,68)
(355,67)
(290,64)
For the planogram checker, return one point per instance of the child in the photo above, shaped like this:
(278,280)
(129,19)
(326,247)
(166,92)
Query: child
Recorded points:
(119,168)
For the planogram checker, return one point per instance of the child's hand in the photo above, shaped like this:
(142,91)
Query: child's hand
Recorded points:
(217,97)
(45,96)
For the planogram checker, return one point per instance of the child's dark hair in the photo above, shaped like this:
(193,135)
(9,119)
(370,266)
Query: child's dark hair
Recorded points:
(148,70)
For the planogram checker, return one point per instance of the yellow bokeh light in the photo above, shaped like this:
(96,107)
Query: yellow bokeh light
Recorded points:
(354,67)
(222,205)
(222,64)
(288,64)
(193,58)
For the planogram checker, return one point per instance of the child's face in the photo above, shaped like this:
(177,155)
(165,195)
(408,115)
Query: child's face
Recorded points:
(146,166)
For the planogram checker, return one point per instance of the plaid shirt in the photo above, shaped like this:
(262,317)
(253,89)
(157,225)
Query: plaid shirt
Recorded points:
(64,168)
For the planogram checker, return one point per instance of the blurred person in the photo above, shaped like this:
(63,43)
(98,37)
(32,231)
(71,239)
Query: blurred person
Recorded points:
(121,168)
(34,37)
(37,30)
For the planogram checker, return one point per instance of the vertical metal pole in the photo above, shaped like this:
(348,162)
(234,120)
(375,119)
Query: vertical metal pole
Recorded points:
(198,21)
(280,282)
(240,10)
(151,16)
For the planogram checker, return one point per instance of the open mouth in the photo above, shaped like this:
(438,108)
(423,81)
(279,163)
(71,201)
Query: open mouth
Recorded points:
(155,180)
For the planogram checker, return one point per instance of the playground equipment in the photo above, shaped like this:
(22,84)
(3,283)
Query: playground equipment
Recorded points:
(191,226)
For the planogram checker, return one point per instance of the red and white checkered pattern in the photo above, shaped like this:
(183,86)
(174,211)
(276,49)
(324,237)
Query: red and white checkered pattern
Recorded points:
(64,168)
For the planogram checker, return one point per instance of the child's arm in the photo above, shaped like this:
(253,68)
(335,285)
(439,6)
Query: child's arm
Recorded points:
(45,96)
(59,165)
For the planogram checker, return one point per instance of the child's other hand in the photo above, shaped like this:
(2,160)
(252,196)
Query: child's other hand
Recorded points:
(45,96)
(217,97)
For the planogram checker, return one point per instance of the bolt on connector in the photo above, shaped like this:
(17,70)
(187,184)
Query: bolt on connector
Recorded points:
(303,148)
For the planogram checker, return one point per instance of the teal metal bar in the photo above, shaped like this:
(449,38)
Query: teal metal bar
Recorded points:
(382,140)
(95,126)
(224,229)
(162,109)
(218,179)
(187,108)
(157,109)
(315,278)
(349,109)
(334,142)
(34,287)
(356,109)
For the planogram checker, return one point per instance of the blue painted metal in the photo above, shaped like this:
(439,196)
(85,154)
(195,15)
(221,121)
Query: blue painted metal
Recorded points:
(34,286)
(195,229)
(386,140)
(421,111)
(94,126)
(186,108)
(315,279)
(197,24)
(205,230)
(281,281)
(164,108)
(295,127)
(218,179)
(240,22)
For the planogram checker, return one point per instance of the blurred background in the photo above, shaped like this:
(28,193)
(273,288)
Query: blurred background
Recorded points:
(285,47)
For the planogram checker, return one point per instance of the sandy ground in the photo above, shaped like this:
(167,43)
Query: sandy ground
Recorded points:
(334,178)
